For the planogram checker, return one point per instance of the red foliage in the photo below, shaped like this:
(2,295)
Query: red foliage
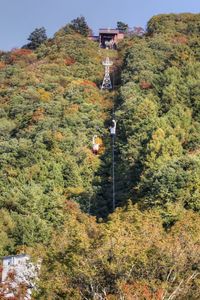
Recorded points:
(71,205)
(180,40)
(139,290)
(87,82)
(69,61)
(21,54)
(145,85)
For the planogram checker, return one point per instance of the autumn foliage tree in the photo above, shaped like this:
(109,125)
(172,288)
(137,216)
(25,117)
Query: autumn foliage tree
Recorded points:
(56,195)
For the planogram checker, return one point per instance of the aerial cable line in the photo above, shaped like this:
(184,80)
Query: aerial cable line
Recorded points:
(113,170)
(113,154)
(107,84)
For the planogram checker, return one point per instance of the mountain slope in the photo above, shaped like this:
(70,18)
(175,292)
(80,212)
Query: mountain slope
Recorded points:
(159,113)
(50,107)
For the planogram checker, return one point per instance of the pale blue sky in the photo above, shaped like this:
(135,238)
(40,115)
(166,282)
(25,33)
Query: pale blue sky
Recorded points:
(18,18)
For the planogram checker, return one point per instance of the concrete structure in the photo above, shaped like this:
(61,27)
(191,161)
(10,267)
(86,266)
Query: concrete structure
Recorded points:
(14,263)
(110,37)
(18,270)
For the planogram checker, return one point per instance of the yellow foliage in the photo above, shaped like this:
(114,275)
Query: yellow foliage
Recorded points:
(58,136)
(72,109)
(44,95)
(11,172)
(99,141)
(102,149)
(91,159)
(74,190)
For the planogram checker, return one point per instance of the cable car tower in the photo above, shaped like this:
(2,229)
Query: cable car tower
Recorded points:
(107,84)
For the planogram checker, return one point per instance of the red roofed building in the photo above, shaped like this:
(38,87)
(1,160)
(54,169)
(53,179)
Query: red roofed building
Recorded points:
(108,37)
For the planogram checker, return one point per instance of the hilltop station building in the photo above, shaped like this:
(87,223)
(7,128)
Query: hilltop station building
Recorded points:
(108,38)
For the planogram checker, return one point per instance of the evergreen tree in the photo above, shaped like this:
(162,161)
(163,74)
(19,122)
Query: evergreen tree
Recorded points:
(122,26)
(36,38)
(80,25)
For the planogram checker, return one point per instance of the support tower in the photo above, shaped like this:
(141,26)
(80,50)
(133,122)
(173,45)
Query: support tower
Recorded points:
(107,84)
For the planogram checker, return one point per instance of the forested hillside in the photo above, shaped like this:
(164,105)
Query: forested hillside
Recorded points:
(55,194)
(159,113)
(50,108)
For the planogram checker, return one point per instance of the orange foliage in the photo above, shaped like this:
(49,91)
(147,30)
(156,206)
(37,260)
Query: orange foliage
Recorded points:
(111,297)
(145,85)
(2,65)
(71,205)
(69,61)
(185,56)
(38,115)
(21,54)
(140,290)
(72,109)
(180,40)
(88,82)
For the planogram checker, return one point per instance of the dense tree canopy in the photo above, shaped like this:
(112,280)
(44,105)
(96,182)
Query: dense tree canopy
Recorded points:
(50,109)
(52,186)
(159,114)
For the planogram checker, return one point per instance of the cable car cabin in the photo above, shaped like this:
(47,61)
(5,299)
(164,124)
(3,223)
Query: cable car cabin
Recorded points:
(97,143)
(109,38)
(113,128)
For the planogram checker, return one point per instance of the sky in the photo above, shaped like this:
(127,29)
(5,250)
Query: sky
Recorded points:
(18,18)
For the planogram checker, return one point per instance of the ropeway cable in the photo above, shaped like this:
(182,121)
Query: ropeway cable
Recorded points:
(113,157)
(113,171)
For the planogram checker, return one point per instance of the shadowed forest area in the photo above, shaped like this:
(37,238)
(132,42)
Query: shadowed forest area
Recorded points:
(56,195)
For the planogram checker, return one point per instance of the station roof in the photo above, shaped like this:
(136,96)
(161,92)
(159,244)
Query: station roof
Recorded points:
(108,30)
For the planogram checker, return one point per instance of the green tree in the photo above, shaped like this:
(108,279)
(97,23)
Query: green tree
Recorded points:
(36,38)
(80,25)
(121,26)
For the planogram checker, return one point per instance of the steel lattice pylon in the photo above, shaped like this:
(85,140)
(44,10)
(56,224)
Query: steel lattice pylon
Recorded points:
(107,84)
